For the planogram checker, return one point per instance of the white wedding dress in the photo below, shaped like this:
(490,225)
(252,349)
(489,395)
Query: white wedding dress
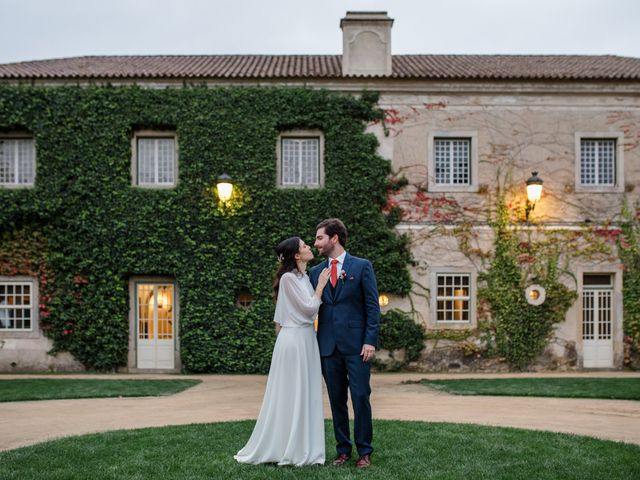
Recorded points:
(290,426)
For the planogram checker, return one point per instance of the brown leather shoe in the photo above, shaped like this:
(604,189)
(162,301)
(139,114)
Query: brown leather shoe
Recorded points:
(341,459)
(364,461)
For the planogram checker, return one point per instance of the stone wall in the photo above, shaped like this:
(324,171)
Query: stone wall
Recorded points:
(30,355)
(514,134)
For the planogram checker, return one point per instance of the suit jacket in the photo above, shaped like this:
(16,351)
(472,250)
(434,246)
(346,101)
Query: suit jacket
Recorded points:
(349,315)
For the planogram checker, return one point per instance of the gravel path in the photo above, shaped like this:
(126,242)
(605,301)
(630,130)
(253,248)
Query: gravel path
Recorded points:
(235,397)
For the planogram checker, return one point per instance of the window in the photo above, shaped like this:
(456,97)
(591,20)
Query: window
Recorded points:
(154,163)
(599,165)
(452,162)
(16,306)
(300,159)
(17,162)
(598,162)
(453,297)
(300,162)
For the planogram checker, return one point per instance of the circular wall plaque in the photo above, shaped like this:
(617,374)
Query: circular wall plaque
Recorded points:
(535,294)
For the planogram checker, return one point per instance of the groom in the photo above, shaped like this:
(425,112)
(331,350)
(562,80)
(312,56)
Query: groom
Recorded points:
(347,337)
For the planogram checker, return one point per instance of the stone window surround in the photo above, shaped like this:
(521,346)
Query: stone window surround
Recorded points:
(35,317)
(319,134)
(134,156)
(21,135)
(619,162)
(472,135)
(433,323)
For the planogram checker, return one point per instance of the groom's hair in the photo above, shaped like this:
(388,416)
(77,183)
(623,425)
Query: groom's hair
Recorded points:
(334,226)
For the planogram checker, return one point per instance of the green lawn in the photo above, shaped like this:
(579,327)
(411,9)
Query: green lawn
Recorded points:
(14,390)
(404,450)
(608,388)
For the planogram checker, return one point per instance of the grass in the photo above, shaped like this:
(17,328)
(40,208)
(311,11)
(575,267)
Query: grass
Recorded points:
(16,390)
(407,450)
(605,388)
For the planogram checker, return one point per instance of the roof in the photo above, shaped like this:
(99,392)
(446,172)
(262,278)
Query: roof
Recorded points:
(426,67)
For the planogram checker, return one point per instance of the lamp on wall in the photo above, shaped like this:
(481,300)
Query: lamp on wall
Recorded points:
(383,299)
(534,192)
(224,187)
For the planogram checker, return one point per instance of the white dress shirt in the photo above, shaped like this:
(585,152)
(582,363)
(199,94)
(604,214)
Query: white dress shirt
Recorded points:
(340,262)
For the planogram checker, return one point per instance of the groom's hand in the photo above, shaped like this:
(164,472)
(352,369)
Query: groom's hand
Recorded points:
(368,352)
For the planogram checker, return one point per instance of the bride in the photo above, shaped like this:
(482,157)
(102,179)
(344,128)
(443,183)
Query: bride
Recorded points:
(290,426)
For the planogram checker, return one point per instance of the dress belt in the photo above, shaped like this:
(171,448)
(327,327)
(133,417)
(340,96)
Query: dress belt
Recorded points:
(310,325)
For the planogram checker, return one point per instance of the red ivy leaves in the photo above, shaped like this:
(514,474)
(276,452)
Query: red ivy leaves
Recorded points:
(436,106)
(420,206)
(80,280)
(392,116)
(609,234)
(524,258)
(390,205)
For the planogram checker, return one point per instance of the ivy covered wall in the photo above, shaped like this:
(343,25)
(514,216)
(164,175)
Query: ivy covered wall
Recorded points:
(97,230)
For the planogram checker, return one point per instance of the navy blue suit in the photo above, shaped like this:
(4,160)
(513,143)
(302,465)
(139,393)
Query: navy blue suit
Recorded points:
(348,318)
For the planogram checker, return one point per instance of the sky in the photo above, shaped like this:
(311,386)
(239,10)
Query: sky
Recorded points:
(41,29)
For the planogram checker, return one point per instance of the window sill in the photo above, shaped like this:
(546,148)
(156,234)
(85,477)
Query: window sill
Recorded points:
(19,334)
(301,187)
(15,186)
(447,188)
(599,189)
(154,186)
(452,325)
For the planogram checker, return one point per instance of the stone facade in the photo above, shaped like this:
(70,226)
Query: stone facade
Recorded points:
(513,127)
(516,130)
(31,355)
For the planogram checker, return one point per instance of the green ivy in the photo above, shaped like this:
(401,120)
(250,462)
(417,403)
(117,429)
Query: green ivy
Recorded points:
(398,331)
(451,335)
(97,231)
(23,251)
(629,252)
(517,330)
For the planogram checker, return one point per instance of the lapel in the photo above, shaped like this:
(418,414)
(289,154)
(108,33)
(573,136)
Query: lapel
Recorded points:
(327,293)
(340,285)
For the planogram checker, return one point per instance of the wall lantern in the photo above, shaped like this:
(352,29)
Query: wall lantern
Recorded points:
(535,294)
(383,299)
(224,187)
(534,192)
(244,299)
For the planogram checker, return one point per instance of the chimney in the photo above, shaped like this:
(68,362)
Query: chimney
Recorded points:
(366,43)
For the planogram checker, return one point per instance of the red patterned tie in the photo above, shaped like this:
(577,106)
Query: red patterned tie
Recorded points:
(334,273)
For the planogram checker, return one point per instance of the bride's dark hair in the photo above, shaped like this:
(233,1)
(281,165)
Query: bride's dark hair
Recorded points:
(286,252)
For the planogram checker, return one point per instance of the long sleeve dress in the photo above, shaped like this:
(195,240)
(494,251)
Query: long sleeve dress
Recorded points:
(290,426)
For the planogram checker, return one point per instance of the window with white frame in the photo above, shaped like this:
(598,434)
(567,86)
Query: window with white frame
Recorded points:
(17,161)
(453,297)
(300,161)
(598,162)
(16,306)
(156,161)
(452,161)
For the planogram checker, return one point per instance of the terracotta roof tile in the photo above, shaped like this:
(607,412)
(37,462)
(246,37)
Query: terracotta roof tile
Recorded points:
(428,67)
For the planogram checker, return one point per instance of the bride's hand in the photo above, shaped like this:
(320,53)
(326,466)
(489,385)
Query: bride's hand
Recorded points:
(323,279)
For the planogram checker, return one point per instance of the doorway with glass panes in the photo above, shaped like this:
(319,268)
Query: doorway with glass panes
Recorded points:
(597,320)
(155,325)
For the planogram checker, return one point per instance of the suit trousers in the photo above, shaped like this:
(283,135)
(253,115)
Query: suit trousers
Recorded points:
(349,374)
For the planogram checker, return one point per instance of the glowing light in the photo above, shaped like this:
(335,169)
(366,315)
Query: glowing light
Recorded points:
(383,300)
(225,187)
